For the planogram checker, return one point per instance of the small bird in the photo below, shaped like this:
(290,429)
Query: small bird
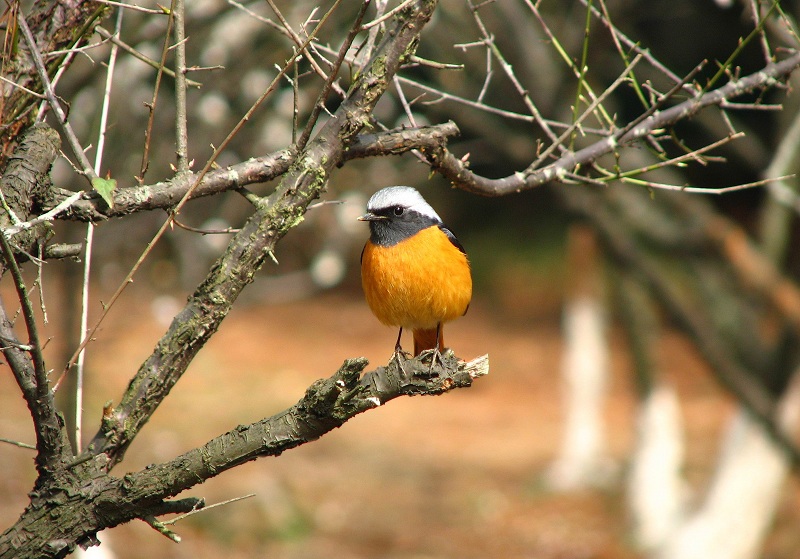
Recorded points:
(414,272)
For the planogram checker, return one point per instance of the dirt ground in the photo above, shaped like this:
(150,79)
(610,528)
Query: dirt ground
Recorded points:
(459,475)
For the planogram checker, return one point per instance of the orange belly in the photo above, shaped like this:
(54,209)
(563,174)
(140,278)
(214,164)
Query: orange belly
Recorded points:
(416,283)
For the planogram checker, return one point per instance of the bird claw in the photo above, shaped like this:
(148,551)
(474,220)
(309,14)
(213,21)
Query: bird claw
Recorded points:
(434,355)
(400,357)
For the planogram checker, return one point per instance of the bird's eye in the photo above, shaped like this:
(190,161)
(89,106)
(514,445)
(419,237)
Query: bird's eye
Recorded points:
(398,210)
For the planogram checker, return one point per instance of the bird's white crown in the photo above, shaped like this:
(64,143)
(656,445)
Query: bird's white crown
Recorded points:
(404,196)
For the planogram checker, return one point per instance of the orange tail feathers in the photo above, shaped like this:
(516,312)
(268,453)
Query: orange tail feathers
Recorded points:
(426,339)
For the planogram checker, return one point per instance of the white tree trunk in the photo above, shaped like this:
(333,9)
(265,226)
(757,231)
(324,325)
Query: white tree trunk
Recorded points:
(745,491)
(582,460)
(656,490)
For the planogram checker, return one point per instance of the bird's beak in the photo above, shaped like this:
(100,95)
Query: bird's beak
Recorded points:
(369,216)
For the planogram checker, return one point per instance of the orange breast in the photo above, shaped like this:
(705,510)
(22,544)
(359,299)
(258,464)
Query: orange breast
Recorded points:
(417,283)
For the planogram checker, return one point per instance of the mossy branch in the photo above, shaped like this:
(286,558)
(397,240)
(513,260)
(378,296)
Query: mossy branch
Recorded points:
(326,405)
(164,195)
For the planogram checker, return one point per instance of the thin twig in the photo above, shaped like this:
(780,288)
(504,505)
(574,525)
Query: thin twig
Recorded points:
(38,62)
(365,51)
(89,238)
(573,128)
(305,50)
(23,88)
(330,78)
(622,53)
(582,69)
(206,508)
(403,101)
(387,15)
(509,71)
(38,283)
(40,372)
(258,17)
(701,189)
(226,231)
(728,64)
(181,117)
(134,7)
(17,443)
(161,528)
(152,106)
(579,73)
(47,216)
(328,85)
(755,13)
(693,155)
(444,96)
(631,44)
(149,61)
(73,51)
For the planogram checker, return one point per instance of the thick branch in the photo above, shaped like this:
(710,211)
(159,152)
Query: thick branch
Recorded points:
(457,171)
(25,182)
(326,405)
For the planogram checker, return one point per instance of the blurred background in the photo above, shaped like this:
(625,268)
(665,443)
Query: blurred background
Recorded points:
(521,464)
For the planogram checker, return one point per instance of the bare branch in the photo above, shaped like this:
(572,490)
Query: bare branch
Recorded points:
(328,85)
(387,15)
(256,170)
(50,215)
(151,107)
(457,172)
(72,139)
(181,116)
(17,443)
(136,54)
(134,7)
(27,365)
(327,404)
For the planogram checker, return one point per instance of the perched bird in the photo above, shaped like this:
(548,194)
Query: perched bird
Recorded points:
(414,271)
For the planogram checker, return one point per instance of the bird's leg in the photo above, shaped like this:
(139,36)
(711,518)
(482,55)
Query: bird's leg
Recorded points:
(398,354)
(437,354)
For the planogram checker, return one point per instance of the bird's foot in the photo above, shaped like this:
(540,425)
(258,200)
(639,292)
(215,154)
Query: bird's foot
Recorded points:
(400,357)
(435,357)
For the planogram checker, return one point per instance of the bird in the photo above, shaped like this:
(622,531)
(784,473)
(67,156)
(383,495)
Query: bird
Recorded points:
(414,271)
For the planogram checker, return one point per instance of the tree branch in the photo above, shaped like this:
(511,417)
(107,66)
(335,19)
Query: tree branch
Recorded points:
(55,26)
(51,439)
(55,105)
(24,184)
(457,171)
(164,195)
(327,404)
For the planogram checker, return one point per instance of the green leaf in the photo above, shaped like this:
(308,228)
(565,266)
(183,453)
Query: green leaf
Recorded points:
(105,188)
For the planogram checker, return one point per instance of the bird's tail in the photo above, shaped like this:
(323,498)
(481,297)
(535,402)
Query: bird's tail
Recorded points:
(426,339)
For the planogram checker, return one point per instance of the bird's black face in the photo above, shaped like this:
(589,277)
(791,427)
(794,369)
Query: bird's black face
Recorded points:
(390,225)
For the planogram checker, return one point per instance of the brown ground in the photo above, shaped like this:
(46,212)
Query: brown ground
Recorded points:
(453,476)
